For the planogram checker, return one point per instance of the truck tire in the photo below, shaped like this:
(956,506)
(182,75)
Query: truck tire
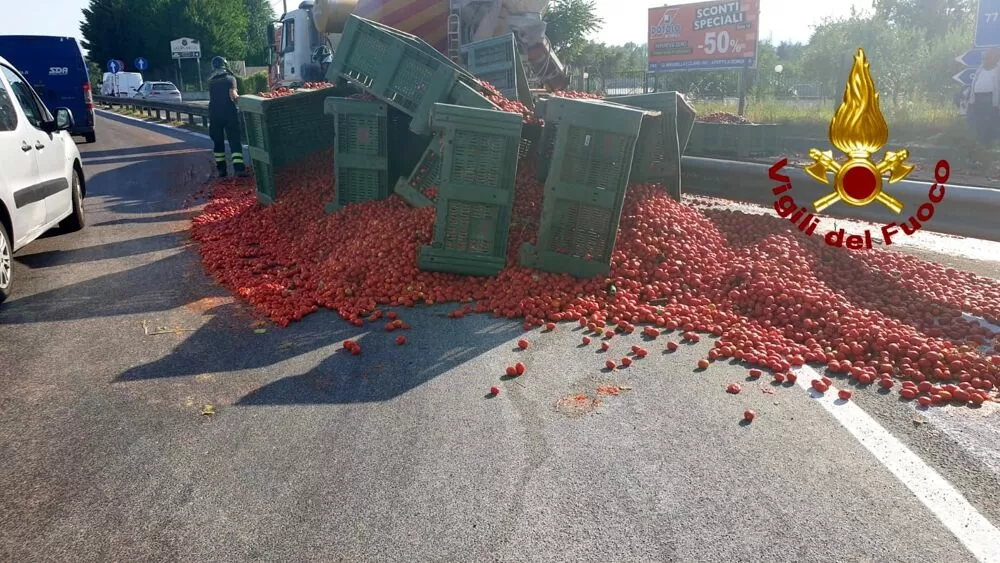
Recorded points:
(90,138)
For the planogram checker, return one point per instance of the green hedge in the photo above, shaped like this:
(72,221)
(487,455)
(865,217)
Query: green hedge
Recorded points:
(252,84)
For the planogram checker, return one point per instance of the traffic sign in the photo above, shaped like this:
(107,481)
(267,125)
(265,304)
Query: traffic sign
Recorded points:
(972,57)
(114,67)
(141,63)
(988,24)
(185,48)
(965,77)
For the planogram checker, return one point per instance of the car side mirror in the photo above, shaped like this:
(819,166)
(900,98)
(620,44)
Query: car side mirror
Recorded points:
(64,119)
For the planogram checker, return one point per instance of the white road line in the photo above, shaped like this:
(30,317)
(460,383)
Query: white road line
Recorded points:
(971,528)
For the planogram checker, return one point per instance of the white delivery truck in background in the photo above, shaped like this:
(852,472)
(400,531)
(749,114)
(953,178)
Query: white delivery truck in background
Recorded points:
(121,85)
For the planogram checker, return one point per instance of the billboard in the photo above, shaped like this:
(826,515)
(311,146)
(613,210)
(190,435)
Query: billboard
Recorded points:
(704,36)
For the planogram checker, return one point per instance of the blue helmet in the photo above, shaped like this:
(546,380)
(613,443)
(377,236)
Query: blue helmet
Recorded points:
(220,63)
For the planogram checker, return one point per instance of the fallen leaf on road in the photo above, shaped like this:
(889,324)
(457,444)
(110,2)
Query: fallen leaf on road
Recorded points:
(919,421)
(208,410)
(260,331)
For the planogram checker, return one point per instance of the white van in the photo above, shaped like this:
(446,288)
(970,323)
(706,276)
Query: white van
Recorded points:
(121,85)
(41,180)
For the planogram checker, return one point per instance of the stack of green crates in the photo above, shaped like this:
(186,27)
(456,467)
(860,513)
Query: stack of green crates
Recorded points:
(585,187)
(494,60)
(282,131)
(662,141)
(402,70)
(361,156)
(475,192)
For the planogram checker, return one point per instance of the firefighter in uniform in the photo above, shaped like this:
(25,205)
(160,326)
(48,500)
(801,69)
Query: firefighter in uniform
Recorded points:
(224,118)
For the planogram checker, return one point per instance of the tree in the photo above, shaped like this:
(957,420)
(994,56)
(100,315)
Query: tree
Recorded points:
(934,17)
(568,22)
(125,30)
(896,54)
(259,15)
(220,25)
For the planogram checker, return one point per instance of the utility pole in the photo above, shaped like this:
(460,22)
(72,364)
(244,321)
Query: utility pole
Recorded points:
(743,86)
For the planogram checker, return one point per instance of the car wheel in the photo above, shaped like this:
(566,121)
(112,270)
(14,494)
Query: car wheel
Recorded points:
(76,220)
(90,137)
(6,264)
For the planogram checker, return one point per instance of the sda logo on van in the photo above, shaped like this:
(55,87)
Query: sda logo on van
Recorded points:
(58,71)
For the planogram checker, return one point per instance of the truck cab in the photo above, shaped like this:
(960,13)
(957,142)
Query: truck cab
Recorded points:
(299,40)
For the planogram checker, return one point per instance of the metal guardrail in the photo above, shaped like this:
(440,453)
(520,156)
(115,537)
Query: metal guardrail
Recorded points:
(192,111)
(965,211)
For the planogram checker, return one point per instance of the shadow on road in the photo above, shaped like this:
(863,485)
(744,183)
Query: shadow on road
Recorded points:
(89,157)
(162,285)
(323,372)
(386,370)
(165,218)
(132,247)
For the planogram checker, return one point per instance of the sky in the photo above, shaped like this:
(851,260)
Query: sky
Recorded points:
(625,20)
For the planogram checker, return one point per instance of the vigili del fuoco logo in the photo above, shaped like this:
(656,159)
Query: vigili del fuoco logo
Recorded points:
(859,131)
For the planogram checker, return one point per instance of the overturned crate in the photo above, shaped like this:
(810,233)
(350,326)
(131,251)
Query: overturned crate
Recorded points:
(662,141)
(283,131)
(585,189)
(402,70)
(426,175)
(361,155)
(478,170)
(495,60)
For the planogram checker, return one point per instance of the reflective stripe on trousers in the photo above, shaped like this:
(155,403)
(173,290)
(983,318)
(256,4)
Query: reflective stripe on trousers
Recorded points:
(221,157)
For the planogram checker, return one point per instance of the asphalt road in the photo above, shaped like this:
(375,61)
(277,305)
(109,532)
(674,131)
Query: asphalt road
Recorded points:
(314,454)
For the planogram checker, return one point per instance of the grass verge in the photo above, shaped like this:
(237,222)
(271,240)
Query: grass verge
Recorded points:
(910,122)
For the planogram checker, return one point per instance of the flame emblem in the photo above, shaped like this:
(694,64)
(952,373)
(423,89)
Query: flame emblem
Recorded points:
(859,130)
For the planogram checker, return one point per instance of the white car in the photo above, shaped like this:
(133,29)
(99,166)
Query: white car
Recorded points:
(41,175)
(159,92)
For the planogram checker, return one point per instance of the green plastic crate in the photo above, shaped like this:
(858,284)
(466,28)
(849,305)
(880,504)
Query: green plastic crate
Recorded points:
(662,142)
(423,46)
(494,60)
(586,184)
(523,87)
(464,95)
(361,155)
(398,68)
(426,174)
(476,190)
(282,131)
(733,140)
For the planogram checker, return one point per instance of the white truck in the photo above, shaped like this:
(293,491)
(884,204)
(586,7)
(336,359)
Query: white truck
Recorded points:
(311,32)
(121,84)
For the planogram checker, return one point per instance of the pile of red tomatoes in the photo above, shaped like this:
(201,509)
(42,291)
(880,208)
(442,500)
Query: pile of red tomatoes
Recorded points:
(771,297)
